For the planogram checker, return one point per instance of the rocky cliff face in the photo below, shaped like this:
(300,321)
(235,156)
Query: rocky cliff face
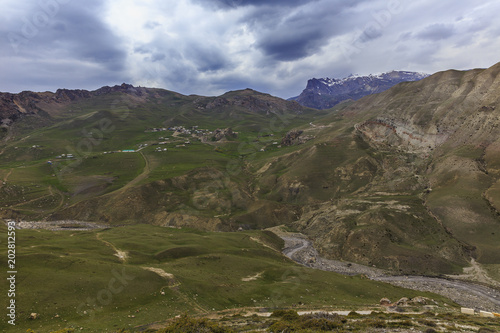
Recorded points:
(326,93)
(450,108)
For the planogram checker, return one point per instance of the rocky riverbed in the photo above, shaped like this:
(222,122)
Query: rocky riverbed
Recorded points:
(59,225)
(466,294)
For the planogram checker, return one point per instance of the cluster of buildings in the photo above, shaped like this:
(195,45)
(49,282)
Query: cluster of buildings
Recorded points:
(161,129)
(194,130)
(69,156)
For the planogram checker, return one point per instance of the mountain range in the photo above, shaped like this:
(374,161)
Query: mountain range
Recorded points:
(325,93)
(411,169)
(406,180)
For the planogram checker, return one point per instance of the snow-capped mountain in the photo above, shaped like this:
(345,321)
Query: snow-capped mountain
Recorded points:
(325,93)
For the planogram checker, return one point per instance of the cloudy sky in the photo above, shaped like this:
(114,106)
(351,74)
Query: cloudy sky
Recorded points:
(208,47)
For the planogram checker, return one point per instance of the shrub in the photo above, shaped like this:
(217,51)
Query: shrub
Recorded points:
(332,317)
(377,323)
(353,314)
(289,315)
(400,324)
(185,324)
(283,327)
(321,324)
(485,330)
(292,322)
(429,323)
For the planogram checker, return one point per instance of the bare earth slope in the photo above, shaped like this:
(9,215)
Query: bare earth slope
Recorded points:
(410,176)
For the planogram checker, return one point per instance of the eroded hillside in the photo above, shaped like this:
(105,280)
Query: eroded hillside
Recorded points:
(411,175)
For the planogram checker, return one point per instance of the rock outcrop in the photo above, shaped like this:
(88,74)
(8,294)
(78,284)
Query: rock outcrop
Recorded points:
(295,137)
(224,134)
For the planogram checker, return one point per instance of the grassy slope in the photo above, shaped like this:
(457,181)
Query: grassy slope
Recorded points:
(111,122)
(61,274)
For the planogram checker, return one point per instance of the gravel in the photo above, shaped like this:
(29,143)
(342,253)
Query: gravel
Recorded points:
(466,294)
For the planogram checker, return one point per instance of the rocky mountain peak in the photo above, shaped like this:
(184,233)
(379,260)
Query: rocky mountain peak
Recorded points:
(324,93)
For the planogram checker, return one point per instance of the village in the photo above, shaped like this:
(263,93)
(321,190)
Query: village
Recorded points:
(182,137)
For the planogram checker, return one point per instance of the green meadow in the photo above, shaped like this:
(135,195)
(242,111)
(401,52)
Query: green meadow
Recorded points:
(74,279)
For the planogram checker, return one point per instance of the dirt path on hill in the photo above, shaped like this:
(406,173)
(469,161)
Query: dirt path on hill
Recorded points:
(5,178)
(173,285)
(476,273)
(300,249)
(7,175)
(467,294)
(61,195)
(51,194)
(122,255)
(143,175)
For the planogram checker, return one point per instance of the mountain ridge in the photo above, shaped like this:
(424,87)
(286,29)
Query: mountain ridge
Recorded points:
(325,93)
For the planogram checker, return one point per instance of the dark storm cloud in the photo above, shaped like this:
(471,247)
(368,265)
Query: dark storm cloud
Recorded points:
(286,36)
(291,45)
(437,32)
(211,46)
(61,36)
(207,59)
(203,59)
(86,38)
(244,3)
(158,57)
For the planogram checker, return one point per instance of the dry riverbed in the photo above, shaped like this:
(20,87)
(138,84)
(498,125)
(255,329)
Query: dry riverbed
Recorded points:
(59,225)
(467,294)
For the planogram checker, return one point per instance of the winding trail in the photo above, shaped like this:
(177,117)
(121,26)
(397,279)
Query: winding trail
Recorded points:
(143,175)
(122,255)
(145,172)
(467,294)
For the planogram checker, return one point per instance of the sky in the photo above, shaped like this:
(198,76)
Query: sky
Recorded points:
(208,47)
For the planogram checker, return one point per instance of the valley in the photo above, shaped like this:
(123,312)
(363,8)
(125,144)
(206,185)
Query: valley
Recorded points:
(76,279)
(173,196)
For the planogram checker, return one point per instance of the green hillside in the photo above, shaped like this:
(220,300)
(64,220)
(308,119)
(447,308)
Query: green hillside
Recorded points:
(74,279)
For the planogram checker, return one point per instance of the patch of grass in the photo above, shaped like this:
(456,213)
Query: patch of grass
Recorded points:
(185,324)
